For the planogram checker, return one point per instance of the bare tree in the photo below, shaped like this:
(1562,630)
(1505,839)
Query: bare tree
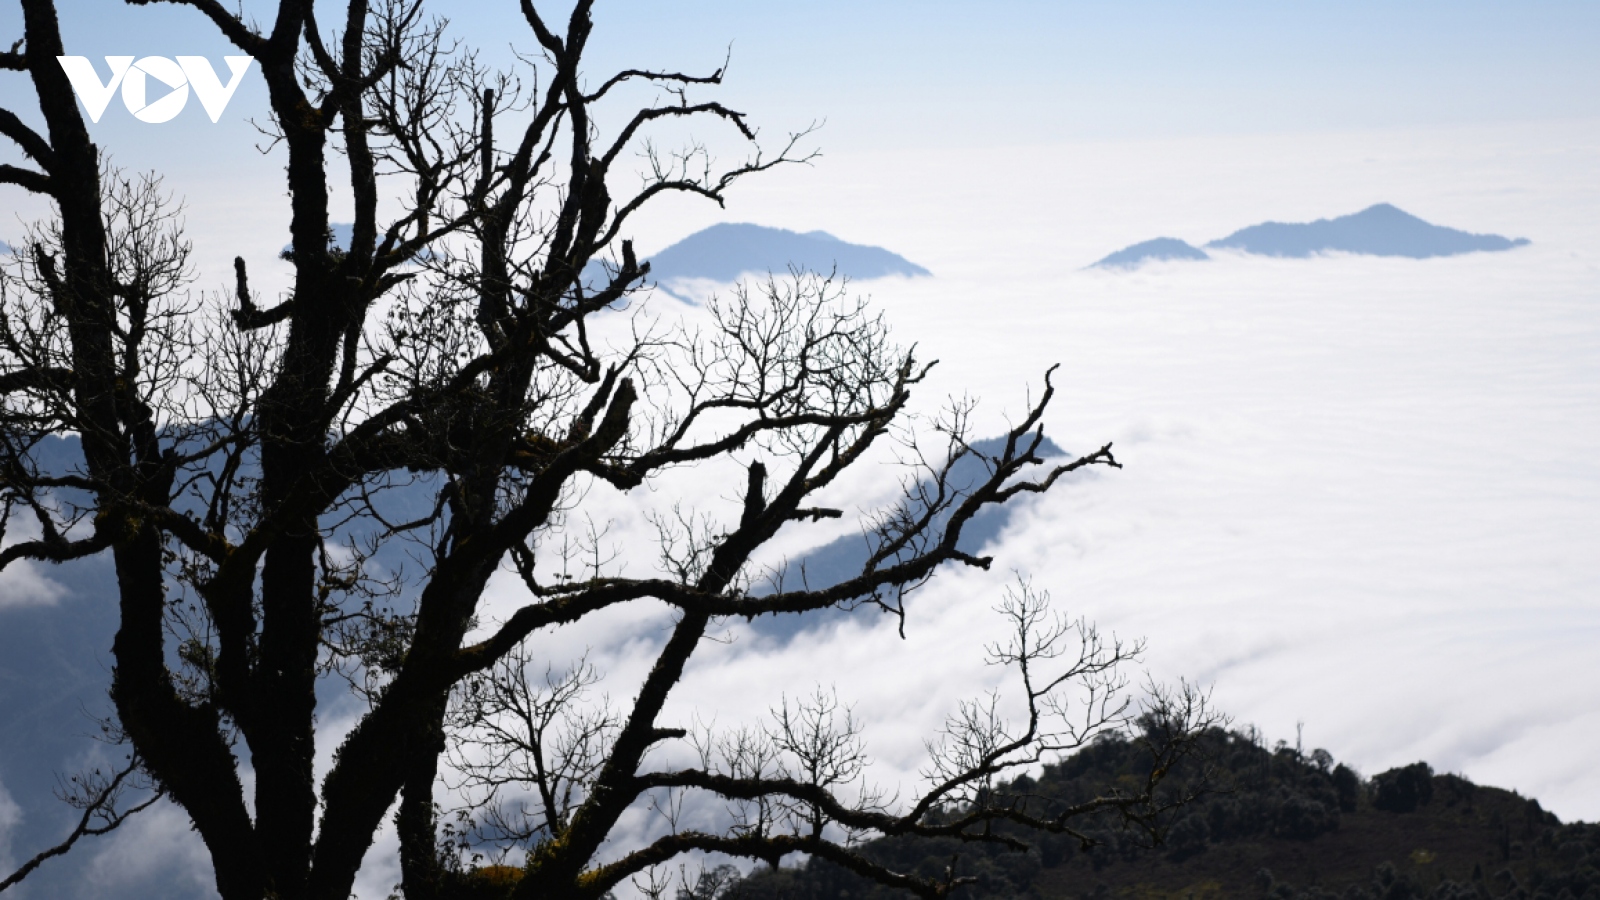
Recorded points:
(239,463)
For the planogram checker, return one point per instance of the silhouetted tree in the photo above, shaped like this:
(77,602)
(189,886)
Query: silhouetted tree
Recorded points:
(240,464)
(1403,789)
(1348,786)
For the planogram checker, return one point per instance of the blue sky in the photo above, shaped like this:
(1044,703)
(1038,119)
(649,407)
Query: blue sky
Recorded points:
(939,76)
(959,74)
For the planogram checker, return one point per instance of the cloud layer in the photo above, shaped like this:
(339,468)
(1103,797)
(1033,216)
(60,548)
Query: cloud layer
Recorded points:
(1360,494)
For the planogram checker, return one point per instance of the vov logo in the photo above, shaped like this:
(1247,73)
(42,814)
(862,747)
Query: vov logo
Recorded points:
(134,78)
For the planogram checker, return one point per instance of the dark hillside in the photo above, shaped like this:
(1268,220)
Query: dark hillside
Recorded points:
(1281,824)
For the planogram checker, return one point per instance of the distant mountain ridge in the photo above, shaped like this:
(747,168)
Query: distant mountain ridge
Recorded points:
(1158,249)
(845,557)
(1379,230)
(728,250)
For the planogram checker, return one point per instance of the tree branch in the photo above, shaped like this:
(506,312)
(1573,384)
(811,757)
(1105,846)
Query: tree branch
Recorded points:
(101,805)
(230,25)
(31,142)
(37,378)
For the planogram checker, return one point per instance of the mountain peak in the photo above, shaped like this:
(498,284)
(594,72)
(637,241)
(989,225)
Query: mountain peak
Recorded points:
(1382,229)
(727,250)
(1161,248)
(1386,209)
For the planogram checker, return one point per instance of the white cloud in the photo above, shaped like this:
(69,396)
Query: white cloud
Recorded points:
(10,818)
(22,584)
(157,846)
(1360,493)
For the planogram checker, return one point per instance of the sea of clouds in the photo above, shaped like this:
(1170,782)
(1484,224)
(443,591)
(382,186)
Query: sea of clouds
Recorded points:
(1359,494)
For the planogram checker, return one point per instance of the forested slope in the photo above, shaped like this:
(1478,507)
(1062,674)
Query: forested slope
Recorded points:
(1279,823)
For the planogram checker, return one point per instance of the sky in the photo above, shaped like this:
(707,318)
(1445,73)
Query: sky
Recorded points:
(1360,494)
(888,77)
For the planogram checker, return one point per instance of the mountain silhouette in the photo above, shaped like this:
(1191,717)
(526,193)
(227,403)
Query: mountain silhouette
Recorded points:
(1381,230)
(726,251)
(1158,249)
(844,558)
